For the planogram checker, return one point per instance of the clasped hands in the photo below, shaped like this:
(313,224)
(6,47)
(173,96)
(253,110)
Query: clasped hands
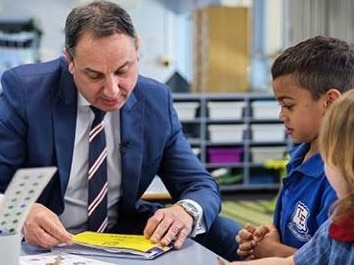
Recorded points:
(44,229)
(256,242)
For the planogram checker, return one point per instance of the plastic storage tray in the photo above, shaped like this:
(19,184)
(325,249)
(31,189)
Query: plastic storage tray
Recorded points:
(260,154)
(265,109)
(268,132)
(228,110)
(225,154)
(226,132)
(186,110)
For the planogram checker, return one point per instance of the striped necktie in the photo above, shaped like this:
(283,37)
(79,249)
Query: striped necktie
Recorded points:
(97,174)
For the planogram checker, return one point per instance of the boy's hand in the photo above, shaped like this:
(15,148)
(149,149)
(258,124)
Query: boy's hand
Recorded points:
(244,238)
(248,238)
(267,243)
(261,231)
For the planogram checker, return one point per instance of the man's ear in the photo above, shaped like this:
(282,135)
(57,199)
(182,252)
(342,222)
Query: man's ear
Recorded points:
(137,43)
(331,95)
(69,58)
(137,46)
(67,55)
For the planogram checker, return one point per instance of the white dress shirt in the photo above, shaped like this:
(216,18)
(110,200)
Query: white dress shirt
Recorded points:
(74,217)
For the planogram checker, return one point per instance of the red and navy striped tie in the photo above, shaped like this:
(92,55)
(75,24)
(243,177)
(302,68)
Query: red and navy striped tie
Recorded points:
(97,174)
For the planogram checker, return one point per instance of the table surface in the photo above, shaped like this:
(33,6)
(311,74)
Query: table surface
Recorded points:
(191,253)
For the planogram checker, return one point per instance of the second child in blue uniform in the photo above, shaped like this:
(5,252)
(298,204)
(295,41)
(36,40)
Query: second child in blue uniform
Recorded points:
(307,79)
(333,243)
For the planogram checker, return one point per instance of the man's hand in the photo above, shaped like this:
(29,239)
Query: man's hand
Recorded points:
(169,224)
(44,229)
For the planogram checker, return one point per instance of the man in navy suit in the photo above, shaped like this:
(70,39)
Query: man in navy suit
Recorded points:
(45,117)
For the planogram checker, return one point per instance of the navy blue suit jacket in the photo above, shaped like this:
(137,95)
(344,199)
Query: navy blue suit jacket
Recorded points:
(37,128)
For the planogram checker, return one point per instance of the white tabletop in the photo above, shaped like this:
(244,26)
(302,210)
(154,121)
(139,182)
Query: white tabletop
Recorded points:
(191,253)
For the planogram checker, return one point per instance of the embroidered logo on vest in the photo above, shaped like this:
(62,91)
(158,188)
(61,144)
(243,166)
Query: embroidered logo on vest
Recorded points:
(298,223)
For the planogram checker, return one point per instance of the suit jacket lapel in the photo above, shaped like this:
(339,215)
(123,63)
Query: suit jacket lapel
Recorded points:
(132,123)
(64,117)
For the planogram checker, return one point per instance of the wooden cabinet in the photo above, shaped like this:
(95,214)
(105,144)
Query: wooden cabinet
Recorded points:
(221,49)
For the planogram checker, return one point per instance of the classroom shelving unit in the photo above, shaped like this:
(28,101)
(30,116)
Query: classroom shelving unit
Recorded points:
(235,135)
(19,42)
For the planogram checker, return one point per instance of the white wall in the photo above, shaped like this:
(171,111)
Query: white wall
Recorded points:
(164,34)
(274,26)
(164,37)
(50,15)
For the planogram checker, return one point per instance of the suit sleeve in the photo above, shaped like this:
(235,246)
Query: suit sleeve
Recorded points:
(183,173)
(13,128)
